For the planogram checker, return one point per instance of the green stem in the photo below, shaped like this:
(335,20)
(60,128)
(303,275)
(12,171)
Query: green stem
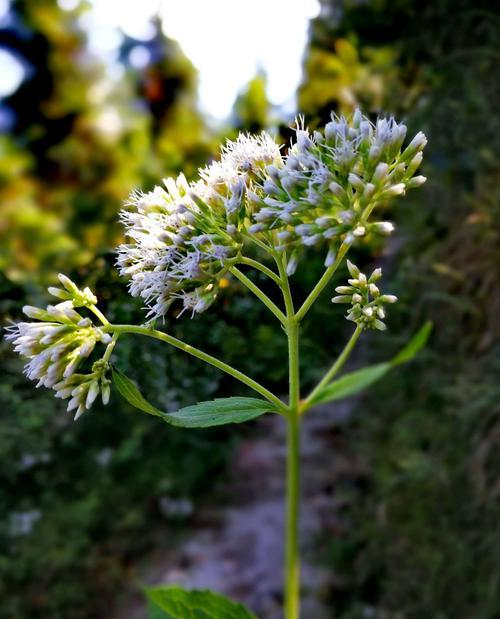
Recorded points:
(195,352)
(97,312)
(325,278)
(262,268)
(109,349)
(292,556)
(259,294)
(253,239)
(336,367)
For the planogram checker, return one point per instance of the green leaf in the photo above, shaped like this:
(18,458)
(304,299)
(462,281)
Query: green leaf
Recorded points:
(203,415)
(131,393)
(354,382)
(417,342)
(219,412)
(170,602)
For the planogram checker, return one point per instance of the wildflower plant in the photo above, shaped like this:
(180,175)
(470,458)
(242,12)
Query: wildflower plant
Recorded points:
(185,239)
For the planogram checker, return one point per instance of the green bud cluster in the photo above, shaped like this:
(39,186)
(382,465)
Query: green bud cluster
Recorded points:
(367,303)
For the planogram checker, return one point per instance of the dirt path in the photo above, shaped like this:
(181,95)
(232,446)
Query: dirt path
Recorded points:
(238,551)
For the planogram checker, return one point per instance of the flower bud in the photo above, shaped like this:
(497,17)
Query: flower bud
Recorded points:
(344,289)
(342,299)
(382,227)
(414,164)
(416,181)
(353,269)
(336,189)
(388,298)
(394,190)
(380,172)
(417,144)
(355,181)
(330,257)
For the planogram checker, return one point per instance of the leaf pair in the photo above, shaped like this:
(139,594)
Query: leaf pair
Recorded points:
(354,382)
(171,602)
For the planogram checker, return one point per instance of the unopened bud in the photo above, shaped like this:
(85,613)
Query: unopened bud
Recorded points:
(380,172)
(341,299)
(353,269)
(388,298)
(355,181)
(383,227)
(330,257)
(415,182)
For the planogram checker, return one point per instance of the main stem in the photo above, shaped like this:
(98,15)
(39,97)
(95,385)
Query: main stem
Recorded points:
(292,558)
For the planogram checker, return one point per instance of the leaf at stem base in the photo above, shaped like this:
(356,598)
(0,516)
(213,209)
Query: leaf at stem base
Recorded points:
(171,602)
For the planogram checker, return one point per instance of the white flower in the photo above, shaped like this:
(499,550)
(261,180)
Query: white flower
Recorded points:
(184,237)
(331,181)
(58,344)
(179,243)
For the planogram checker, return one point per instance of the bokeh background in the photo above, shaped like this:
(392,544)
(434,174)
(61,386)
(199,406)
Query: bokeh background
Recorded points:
(92,107)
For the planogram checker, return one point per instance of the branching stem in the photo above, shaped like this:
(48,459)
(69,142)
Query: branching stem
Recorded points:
(258,293)
(262,268)
(325,278)
(196,352)
(333,371)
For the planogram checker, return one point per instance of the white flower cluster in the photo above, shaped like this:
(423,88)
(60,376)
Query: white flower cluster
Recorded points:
(332,179)
(185,236)
(58,343)
(363,295)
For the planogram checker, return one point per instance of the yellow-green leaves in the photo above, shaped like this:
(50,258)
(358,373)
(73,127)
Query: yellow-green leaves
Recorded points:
(170,602)
(202,415)
(354,382)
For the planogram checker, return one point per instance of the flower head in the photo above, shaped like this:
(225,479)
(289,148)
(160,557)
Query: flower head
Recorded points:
(332,180)
(57,342)
(184,236)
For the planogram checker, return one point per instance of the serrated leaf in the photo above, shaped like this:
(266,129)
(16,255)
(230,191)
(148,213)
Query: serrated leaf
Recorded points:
(171,602)
(354,382)
(219,412)
(131,393)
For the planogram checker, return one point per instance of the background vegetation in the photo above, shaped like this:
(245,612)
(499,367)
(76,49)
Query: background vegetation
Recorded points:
(81,503)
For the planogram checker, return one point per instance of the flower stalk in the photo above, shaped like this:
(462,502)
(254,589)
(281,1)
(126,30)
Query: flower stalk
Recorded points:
(199,354)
